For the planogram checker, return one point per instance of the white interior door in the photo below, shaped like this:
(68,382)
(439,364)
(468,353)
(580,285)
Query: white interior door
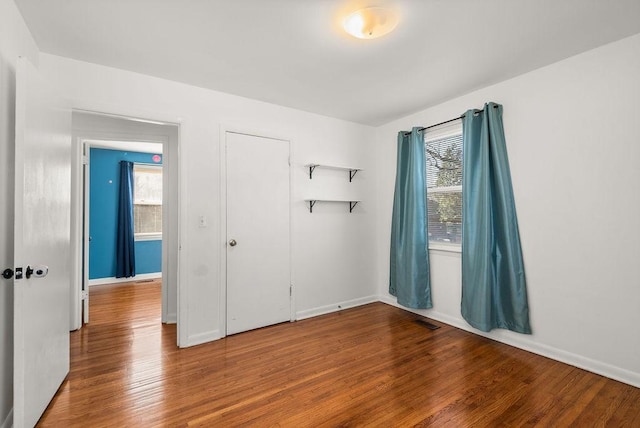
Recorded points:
(258,255)
(42,238)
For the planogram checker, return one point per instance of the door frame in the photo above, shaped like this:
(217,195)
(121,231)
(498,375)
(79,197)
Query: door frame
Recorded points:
(222,304)
(86,144)
(80,187)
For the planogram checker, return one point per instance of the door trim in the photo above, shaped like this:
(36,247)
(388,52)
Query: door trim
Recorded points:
(86,139)
(222,237)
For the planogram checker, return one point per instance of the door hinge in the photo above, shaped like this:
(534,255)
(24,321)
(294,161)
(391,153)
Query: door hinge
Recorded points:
(85,160)
(290,290)
(84,295)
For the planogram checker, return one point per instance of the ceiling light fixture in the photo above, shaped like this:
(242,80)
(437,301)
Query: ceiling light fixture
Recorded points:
(370,22)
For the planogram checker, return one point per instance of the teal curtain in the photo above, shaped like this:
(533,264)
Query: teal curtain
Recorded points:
(494,291)
(409,270)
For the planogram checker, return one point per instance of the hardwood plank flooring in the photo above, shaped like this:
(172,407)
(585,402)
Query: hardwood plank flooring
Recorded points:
(367,366)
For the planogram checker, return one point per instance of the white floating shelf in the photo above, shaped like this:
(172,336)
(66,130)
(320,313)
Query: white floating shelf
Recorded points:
(352,170)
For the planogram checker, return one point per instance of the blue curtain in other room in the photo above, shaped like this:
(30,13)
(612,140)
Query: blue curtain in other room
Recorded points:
(125,250)
(494,292)
(409,273)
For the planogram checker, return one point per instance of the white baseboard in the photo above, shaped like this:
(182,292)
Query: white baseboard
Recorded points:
(200,338)
(314,312)
(210,336)
(114,280)
(570,358)
(8,421)
(171,318)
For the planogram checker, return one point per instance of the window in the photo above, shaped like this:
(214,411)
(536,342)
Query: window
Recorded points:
(443,149)
(147,202)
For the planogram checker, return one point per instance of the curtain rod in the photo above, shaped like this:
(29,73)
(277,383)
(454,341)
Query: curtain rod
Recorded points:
(447,121)
(438,124)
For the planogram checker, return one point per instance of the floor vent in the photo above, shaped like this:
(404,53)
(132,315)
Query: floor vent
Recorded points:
(427,324)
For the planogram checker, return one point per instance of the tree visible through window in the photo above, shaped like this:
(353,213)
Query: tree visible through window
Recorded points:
(443,149)
(147,201)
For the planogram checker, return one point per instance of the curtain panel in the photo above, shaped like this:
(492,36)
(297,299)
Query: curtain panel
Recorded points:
(125,242)
(494,292)
(409,262)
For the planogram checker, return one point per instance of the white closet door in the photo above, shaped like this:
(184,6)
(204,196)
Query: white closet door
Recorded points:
(258,246)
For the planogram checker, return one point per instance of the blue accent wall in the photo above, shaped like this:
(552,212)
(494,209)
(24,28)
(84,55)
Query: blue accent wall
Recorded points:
(103,213)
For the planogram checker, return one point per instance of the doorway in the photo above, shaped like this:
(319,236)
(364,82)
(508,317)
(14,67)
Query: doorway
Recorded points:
(157,140)
(257,230)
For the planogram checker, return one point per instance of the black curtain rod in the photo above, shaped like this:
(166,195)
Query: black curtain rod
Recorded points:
(447,121)
(441,123)
(437,124)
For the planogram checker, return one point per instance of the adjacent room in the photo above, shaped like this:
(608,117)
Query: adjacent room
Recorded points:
(319,213)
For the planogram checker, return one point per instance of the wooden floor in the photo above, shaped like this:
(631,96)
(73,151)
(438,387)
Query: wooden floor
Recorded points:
(368,366)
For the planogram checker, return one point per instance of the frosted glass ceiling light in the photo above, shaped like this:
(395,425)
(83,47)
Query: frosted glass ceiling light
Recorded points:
(370,22)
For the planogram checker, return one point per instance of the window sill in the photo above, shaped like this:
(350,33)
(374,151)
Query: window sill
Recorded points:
(447,248)
(148,237)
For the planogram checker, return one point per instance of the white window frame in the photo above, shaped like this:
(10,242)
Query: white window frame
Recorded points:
(149,236)
(438,133)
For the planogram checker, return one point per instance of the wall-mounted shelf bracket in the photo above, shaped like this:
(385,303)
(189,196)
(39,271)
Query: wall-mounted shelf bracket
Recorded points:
(312,167)
(312,202)
(352,173)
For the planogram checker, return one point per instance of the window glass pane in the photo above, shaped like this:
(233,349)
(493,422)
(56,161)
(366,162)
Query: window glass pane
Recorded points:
(147,218)
(147,199)
(148,185)
(445,217)
(444,161)
(444,187)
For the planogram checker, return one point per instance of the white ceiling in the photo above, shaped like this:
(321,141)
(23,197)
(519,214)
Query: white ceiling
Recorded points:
(293,52)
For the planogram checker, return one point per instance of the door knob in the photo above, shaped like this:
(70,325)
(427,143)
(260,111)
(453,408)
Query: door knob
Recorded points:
(233,243)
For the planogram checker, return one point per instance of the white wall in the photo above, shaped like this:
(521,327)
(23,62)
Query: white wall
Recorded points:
(15,40)
(333,251)
(574,149)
